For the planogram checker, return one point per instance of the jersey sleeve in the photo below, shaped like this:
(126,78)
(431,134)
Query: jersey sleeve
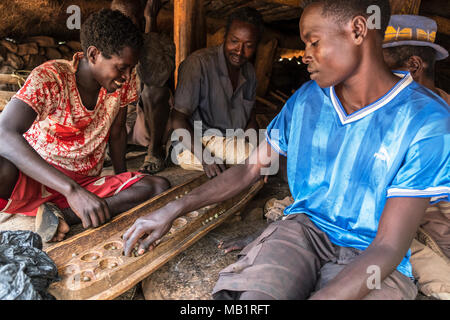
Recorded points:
(277,134)
(42,90)
(425,171)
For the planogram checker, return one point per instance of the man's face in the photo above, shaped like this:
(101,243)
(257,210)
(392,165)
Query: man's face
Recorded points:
(330,53)
(240,43)
(112,73)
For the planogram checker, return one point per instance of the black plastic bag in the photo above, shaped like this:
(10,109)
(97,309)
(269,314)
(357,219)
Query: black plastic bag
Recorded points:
(25,270)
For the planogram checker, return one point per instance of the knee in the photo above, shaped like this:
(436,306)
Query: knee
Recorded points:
(8,176)
(156,185)
(161,184)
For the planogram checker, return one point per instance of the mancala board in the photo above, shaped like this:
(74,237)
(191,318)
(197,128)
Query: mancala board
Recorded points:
(91,264)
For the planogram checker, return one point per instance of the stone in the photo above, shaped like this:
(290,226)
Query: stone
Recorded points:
(64,49)
(14,61)
(52,53)
(27,49)
(35,60)
(43,41)
(74,45)
(11,46)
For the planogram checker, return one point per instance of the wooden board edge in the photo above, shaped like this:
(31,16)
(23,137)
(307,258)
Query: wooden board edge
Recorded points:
(140,275)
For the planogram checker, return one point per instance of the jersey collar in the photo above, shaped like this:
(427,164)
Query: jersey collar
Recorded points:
(405,80)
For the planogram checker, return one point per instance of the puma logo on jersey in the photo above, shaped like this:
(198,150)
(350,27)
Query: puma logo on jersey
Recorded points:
(383,155)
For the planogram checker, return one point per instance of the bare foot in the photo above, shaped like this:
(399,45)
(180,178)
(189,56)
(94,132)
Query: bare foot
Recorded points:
(235,243)
(61,232)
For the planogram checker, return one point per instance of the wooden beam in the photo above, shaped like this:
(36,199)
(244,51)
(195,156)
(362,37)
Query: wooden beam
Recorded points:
(189,32)
(405,6)
(7,78)
(442,23)
(291,3)
(264,59)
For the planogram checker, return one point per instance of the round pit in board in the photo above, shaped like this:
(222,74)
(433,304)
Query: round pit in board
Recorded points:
(68,270)
(108,263)
(87,276)
(83,277)
(179,223)
(93,256)
(113,246)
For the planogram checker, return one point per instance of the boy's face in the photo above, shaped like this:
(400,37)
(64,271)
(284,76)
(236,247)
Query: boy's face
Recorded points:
(112,73)
(330,53)
(240,43)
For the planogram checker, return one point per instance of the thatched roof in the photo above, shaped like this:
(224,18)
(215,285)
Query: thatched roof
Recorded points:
(24,18)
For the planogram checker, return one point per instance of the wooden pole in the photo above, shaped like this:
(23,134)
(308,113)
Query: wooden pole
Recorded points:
(189,30)
(405,6)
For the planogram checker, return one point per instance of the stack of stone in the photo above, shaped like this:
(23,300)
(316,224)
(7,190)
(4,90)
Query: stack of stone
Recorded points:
(32,52)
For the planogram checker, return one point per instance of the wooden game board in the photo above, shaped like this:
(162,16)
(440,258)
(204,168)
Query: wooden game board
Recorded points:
(92,265)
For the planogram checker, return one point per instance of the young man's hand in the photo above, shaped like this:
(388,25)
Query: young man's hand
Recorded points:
(152,226)
(92,210)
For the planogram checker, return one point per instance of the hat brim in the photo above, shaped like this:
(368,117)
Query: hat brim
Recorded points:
(441,53)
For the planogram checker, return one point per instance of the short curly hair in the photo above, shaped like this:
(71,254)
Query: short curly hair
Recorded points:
(400,55)
(110,31)
(344,10)
(249,15)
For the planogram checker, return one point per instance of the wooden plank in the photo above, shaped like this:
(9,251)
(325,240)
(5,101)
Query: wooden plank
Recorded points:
(8,79)
(189,31)
(435,7)
(97,253)
(405,6)
(269,104)
(291,3)
(278,97)
(265,56)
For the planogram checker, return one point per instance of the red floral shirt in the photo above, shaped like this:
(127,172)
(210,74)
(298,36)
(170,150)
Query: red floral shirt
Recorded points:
(65,133)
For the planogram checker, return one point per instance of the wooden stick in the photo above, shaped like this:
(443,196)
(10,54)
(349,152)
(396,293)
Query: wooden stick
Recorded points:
(282,94)
(273,94)
(267,103)
(8,79)
(189,27)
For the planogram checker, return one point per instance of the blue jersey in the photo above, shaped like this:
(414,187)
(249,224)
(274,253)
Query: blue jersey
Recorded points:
(342,168)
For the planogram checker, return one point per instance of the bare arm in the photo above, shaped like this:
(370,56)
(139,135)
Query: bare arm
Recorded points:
(118,142)
(179,120)
(15,120)
(227,185)
(398,224)
(151,11)
(252,123)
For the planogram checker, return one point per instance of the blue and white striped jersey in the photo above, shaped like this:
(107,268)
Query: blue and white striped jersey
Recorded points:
(342,168)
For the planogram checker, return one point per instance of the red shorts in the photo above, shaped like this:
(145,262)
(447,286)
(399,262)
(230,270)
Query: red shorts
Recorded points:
(28,194)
